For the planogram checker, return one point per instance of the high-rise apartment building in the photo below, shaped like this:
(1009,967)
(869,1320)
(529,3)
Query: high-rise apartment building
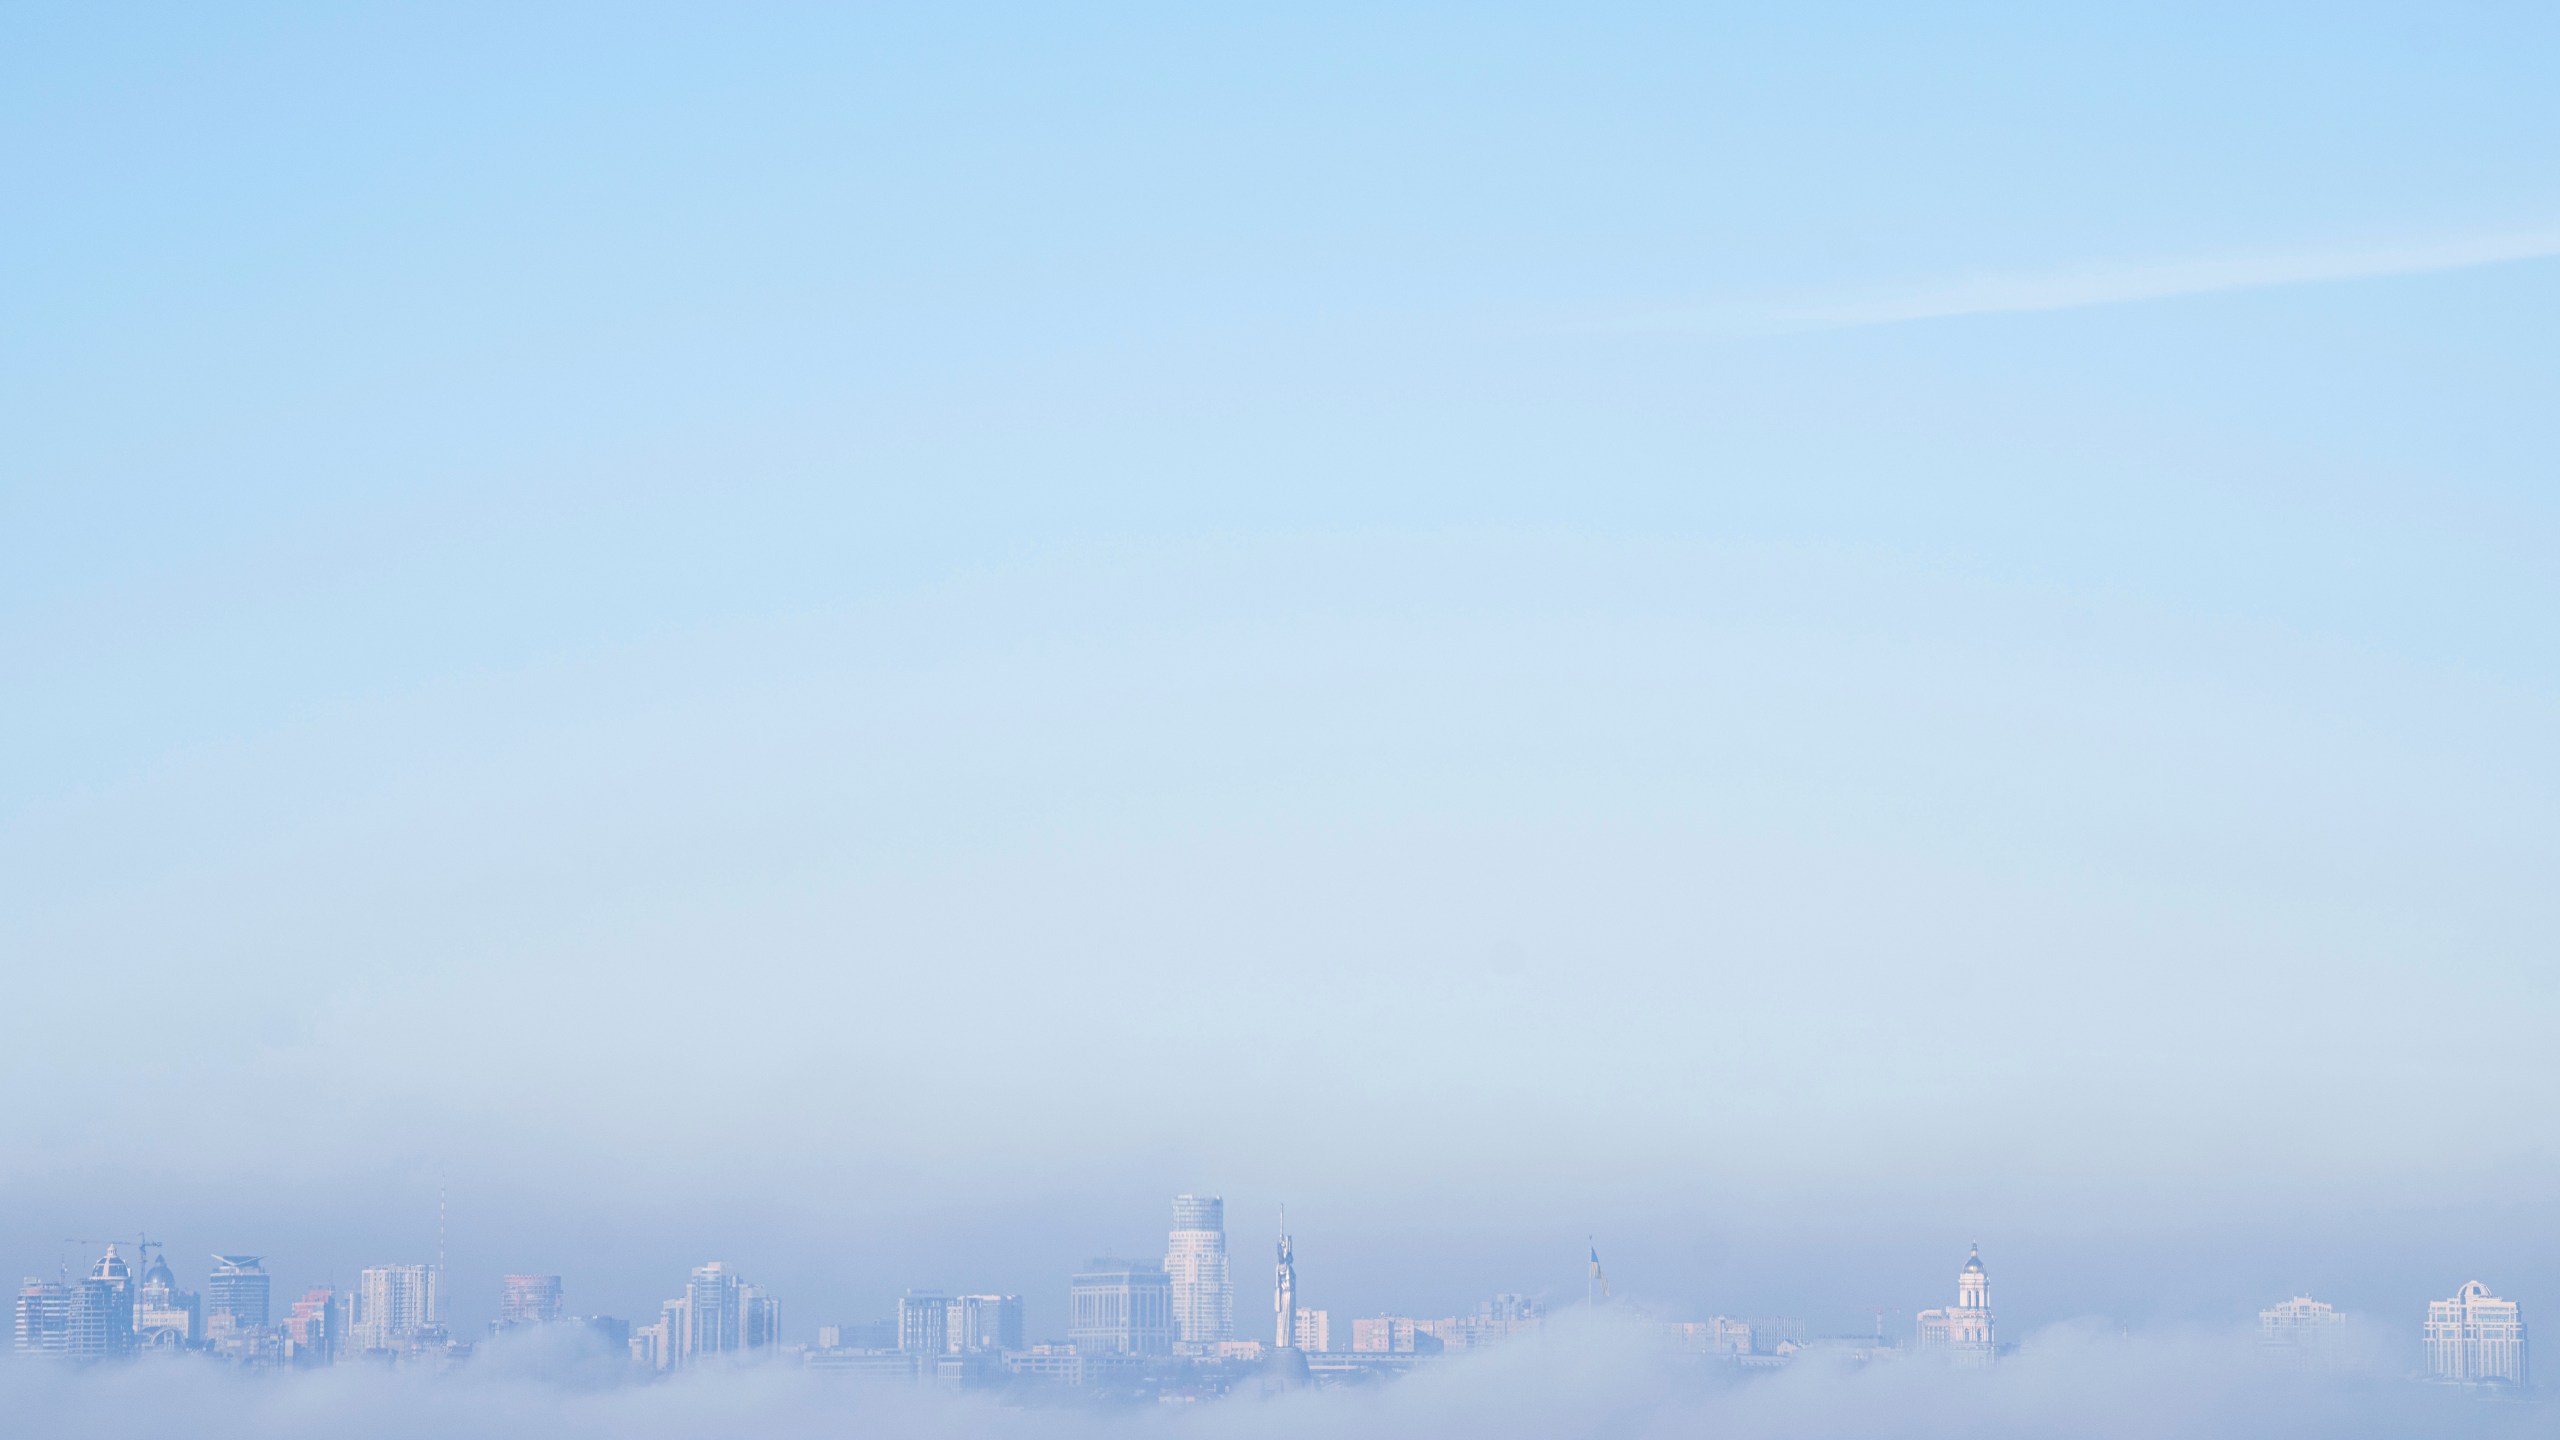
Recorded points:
(653,1346)
(394,1309)
(528,1299)
(2477,1338)
(1962,1331)
(2302,1331)
(1195,1259)
(1121,1307)
(715,1315)
(710,1312)
(311,1328)
(924,1323)
(984,1324)
(237,1288)
(101,1314)
(1315,1330)
(759,1318)
(44,1317)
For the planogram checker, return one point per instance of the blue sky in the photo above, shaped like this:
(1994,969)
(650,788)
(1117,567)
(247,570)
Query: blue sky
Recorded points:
(1751,628)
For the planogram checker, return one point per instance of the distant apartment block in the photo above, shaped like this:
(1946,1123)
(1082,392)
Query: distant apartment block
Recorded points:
(311,1328)
(1393,1335)
(2303,1331)
(44,1317)
(1715,1335)
(1315,1330)
(101,1315)
(984,1324)
(528,1299)
(2477,1338)
(718,1314)
(708,1317)
(759,1318)
(1195,1262)
(395,1310)
(924,1323)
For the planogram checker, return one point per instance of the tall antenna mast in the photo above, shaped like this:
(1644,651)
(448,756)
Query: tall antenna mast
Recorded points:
(436,1292)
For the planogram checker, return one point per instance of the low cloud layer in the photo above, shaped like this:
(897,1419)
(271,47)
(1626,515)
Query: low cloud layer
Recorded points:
(1581,1377)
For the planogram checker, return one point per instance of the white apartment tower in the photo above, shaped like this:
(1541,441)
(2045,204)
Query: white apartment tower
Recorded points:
(2475,1337)
(1195,1257)
(395,1306)
(1963,1330)
(2303,1331)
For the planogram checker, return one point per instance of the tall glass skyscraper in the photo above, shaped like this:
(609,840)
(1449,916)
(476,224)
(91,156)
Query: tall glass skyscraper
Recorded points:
(1195,1258)
(711,1311)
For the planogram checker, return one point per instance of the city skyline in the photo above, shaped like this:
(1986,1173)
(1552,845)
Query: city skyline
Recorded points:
(1123,692)
(1124,1326)
(1349,1290)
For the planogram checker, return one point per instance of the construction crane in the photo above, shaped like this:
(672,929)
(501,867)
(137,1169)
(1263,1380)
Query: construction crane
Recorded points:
(142,1245)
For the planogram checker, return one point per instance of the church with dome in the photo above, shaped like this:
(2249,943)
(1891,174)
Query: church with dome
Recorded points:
(1962,1331)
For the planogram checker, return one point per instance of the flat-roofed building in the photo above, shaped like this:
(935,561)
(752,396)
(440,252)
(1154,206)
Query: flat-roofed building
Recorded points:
(311,1330)
(44,1317)
(1715,1335)
(394,1310)
(984,1324)
(924,1323)
(1121,1307)
(528,1299)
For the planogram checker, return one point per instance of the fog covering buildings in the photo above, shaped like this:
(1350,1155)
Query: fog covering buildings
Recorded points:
(2477,1338)
(717,1316)
(2303,1331)
(1123,1332)
(1963,1330)
(1121,1307)
(528,1299)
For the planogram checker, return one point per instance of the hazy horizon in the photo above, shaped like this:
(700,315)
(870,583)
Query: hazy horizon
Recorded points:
(864,644)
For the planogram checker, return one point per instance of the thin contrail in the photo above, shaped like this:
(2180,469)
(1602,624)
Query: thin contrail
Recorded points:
(2084,286)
